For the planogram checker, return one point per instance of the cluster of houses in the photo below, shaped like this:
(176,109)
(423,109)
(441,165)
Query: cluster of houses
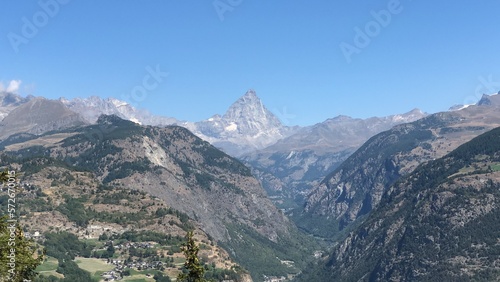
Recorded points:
(137,245)
(33,235)
(275,279)
(111,276)
(121,265)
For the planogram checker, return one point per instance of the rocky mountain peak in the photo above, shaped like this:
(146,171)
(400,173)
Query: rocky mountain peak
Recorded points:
(92,107)
(247,125)
(37,116)
(410,116)
(250,94)
(249,109)
(110,120)
(9,101)
(489,100)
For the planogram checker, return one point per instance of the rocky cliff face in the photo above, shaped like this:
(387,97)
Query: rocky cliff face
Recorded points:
(177,166)
(438,223)
(356,187)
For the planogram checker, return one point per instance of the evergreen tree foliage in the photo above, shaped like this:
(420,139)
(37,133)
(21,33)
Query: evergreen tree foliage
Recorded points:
(195,271)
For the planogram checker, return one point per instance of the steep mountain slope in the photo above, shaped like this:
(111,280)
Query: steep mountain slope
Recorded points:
(37,116)
(59,201)
(355,188)
(10,101)
(190,175)
(246,126)
(439,223)
(299,162)
(490,100)
(91,108)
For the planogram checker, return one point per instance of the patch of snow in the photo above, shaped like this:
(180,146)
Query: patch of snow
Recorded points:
(397,118)
(462,107)
(117,103)
(135,120)
(232,127)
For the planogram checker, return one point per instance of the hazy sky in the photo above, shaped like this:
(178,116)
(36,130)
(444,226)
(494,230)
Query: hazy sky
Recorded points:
(307,60)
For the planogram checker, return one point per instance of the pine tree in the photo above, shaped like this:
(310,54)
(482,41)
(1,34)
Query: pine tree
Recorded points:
(195,270)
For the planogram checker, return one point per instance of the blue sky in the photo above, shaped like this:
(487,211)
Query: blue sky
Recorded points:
(307,60)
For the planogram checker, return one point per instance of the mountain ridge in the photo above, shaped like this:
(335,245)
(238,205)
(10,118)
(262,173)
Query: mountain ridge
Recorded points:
(295,164)
(355,187)
(39,115)
(175,165)
(438,223)
(247,125)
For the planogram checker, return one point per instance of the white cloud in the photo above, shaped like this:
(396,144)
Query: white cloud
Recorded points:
(2,88)
(13,86)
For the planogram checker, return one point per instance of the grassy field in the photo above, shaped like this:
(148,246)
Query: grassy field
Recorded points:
(93,265)
(138,278)
(49,267)
(495,167)
(96,267)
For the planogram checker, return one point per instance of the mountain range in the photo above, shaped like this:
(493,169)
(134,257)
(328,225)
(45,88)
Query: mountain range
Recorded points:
(247,125)
(300,161)
(174,165)
(341,180)
(354,188)
(440,222)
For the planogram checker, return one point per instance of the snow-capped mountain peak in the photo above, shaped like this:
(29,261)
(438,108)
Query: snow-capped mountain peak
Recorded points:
(247,125)
(92,107)
(251,116)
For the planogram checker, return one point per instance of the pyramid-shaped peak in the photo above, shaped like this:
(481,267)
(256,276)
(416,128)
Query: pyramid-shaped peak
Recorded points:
(250,110)
(248,97)
(489,100)
(251,93)
(248,105)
